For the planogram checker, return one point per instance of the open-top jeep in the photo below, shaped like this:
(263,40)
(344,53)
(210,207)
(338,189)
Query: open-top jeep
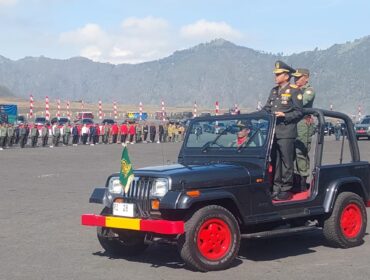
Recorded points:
(220,192)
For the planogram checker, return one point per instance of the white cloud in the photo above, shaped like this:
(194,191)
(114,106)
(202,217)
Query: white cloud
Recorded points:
(208,30)
(142,39)
(92,52)
(8,2)
(90,33)
(146,24)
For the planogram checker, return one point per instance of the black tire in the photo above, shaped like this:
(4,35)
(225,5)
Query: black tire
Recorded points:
(346,226)
(220,225)
(121,243)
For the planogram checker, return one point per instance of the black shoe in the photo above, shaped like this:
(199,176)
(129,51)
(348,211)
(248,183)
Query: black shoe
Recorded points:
(283,196)
(274,194)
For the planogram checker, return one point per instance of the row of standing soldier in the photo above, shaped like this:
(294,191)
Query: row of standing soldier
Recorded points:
(126,133)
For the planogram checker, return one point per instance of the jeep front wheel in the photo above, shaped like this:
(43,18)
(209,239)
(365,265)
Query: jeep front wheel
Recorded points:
(346,225)
(123,243)
(211,240)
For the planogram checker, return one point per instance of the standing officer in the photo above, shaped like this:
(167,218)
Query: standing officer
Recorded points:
(34,135)
(306,129)
(3,133)
(23,135)
(67,134)
(285,102)
(44,135)
(301,79)
(56,134)
(10,133)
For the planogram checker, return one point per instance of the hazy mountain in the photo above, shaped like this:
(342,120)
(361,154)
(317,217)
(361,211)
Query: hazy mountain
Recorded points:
(5,92)
(218,70)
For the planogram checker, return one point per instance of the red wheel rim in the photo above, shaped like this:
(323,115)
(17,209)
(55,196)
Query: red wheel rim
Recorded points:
(351,220)
(214,239)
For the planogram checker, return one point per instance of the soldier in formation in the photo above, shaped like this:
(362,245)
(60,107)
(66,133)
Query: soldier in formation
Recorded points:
(34,135)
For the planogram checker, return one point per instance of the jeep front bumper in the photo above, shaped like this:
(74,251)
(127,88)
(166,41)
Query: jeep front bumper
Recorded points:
(154,226)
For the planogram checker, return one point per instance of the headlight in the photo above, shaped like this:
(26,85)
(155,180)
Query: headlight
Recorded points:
(114,186)
(160,188)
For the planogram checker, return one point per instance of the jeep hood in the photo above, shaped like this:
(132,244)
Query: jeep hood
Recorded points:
(199,176)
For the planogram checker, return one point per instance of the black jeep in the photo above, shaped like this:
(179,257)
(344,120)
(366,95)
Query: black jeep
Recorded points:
(220,192)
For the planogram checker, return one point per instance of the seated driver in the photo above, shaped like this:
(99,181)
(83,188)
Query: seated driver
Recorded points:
(242,136)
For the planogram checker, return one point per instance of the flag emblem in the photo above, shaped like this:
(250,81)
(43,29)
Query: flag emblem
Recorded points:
(126,175)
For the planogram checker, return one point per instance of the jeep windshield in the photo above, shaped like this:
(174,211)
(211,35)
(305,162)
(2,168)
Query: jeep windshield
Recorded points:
(237,133)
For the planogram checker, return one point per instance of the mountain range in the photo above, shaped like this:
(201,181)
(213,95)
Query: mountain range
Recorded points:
(218,70)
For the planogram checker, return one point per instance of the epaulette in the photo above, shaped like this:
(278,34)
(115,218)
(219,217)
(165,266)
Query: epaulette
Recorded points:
(293,86)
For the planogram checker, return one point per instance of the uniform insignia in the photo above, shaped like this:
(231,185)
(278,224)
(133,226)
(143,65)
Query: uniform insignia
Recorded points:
(288,90)
(277,65)
(299,96)
(308,91)
(293,86)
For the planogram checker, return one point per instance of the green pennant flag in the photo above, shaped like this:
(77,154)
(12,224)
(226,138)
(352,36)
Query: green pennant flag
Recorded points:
(126,175)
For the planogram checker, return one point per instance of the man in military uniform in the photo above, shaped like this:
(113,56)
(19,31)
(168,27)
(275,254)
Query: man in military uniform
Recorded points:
(306,129)
(10,133)
(44,135)
(23,135)
(34,135)
(285,102)
(67,134)
(56,135)
(3,133)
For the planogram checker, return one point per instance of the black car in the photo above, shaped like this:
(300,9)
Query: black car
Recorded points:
(59,120)
(328,128)
(219,192)
(21,119)
(108,121)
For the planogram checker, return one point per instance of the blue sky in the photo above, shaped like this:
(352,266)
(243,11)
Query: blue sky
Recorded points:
(141,30)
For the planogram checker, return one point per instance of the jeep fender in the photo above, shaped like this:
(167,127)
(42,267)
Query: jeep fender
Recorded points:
(186,202)
(335,187)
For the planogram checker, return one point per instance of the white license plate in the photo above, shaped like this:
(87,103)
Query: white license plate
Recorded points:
(124,209)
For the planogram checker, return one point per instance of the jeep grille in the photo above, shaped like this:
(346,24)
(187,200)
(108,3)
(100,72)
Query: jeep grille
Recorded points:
(139,194)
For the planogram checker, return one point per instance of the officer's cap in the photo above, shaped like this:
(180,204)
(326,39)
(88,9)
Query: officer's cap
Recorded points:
(282,67)
(301,72)
(243,124)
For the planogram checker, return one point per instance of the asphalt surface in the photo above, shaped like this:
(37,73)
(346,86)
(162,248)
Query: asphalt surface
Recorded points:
(44,191)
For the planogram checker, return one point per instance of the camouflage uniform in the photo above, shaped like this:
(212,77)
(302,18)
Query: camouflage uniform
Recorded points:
(34,136)
(306,129)
(10,133)
(3,133)
(303,146)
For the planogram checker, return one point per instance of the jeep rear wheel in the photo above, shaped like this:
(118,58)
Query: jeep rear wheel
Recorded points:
(346,225)
(120,242)
(211,240)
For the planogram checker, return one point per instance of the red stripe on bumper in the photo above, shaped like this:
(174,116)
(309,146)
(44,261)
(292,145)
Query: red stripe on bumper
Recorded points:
(162,226)
(93,220)
(155,226)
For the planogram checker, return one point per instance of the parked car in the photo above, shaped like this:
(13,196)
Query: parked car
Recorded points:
(21,119)
(61,121)
(363,128)
(218,193)
(328,128)
(108,121)
(84,115)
